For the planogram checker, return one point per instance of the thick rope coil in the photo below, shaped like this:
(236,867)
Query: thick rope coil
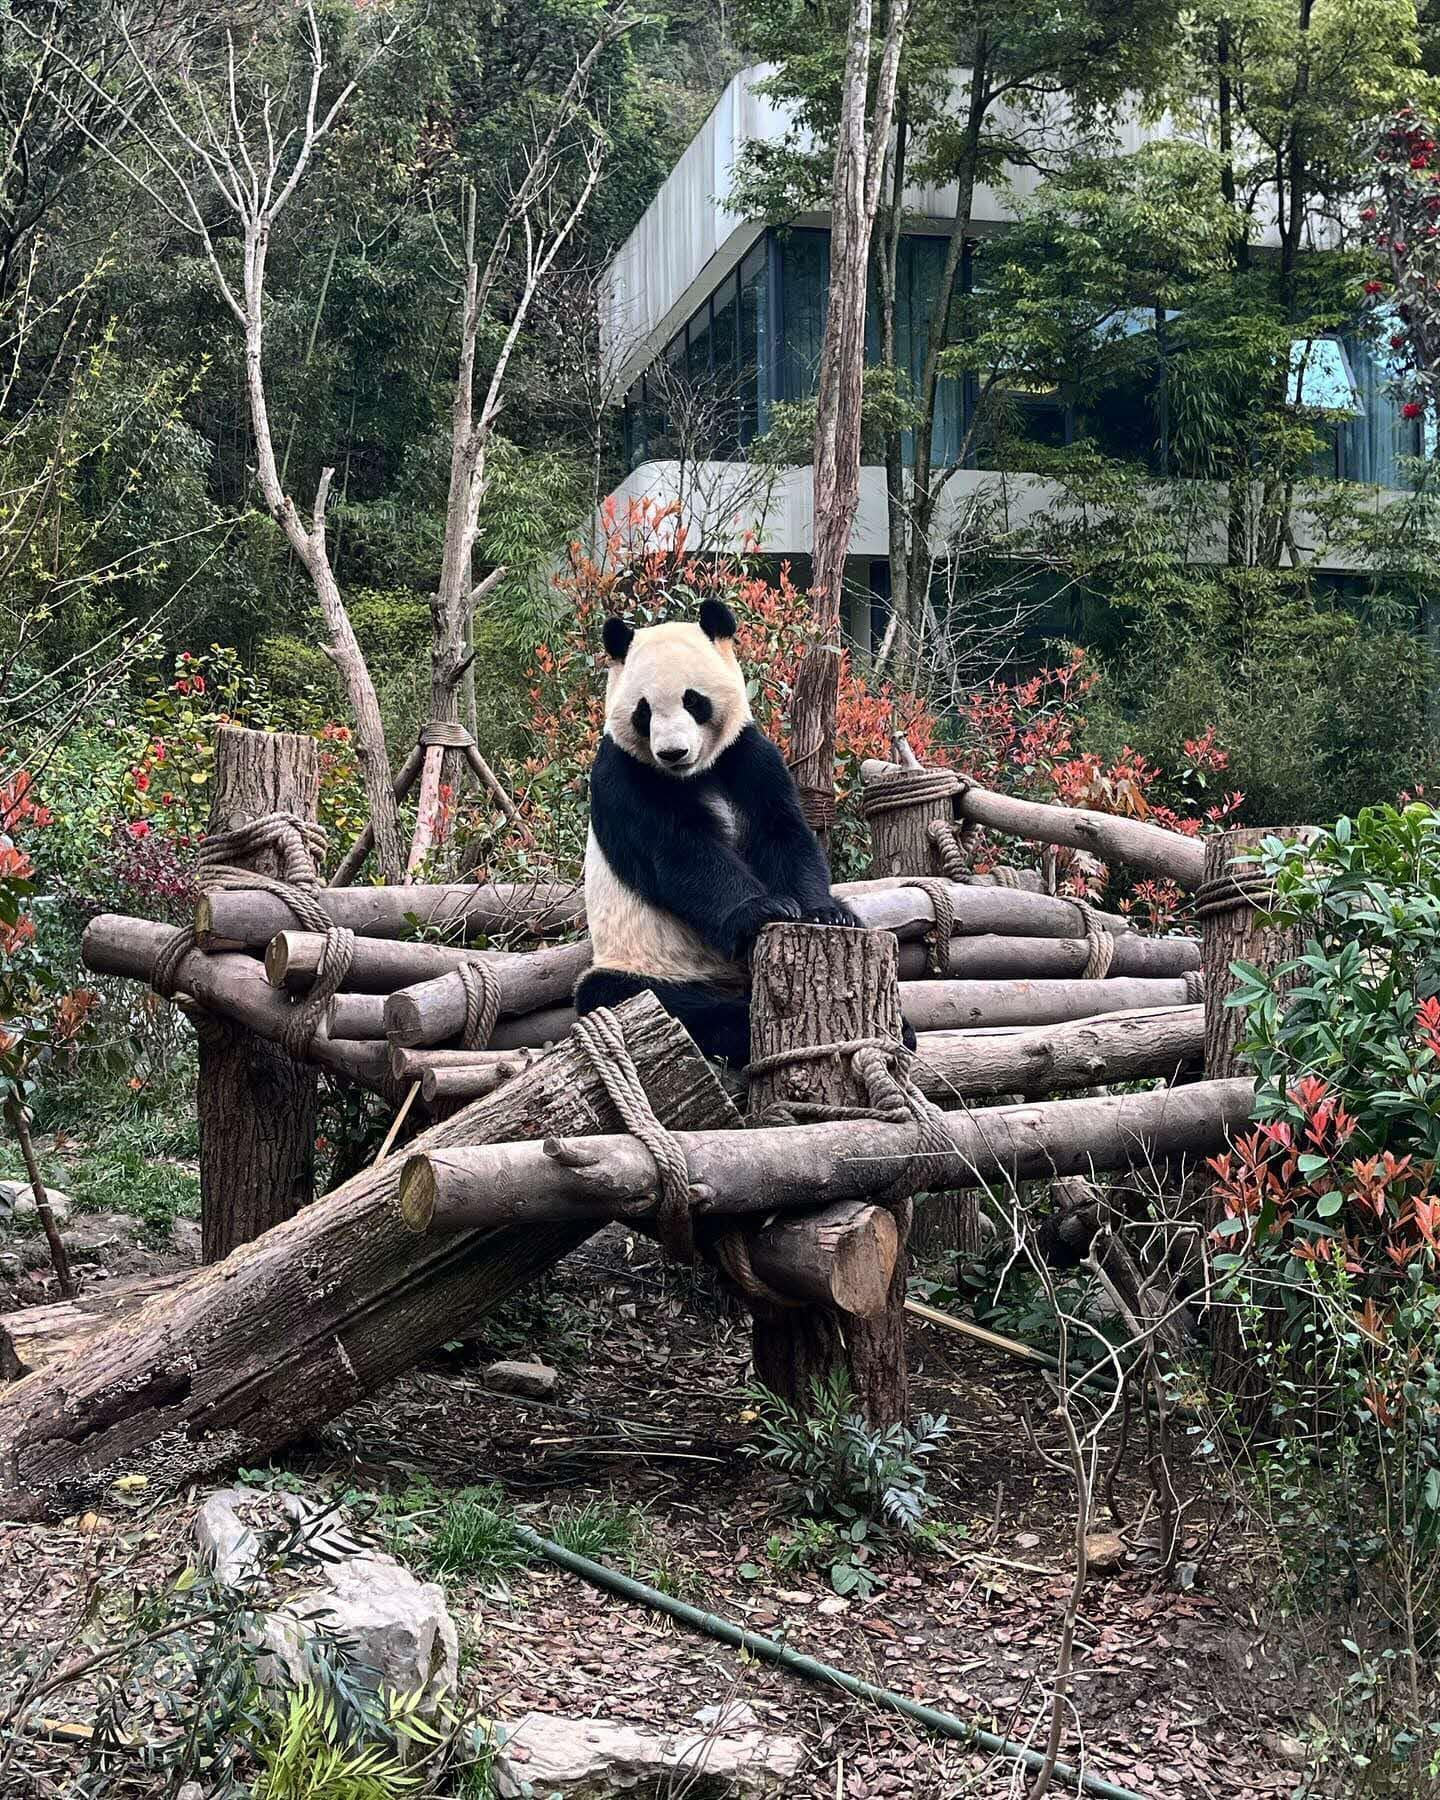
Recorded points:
(942,929)
(952,847)
(299,845)
(1006,877)
(1194,986)
(1248,891)
(482,1004)
(1102,944)
(601,1038)
(910,787)
(337,953)
(732,1253)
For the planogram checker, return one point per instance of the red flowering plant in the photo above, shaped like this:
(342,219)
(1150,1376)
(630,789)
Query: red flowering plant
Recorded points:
(1329,1211)
(642,568)
(41,1014)
(1401,225)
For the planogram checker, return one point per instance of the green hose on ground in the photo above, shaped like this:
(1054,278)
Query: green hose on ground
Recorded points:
(769,1651)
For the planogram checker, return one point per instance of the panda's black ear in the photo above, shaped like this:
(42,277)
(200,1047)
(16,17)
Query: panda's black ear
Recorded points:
(717,621)
(617,637)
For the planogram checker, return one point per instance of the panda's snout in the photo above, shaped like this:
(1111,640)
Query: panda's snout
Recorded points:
(673,754)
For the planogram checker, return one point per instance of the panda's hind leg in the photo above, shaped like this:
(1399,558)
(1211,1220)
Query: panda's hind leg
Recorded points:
(718,1022)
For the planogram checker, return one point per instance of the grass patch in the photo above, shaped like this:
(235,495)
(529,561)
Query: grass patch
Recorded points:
(129,1180)
(473,1535)
(603,1531)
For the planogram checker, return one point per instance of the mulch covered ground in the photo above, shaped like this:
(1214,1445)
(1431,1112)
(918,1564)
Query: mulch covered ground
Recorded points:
(1177,1695)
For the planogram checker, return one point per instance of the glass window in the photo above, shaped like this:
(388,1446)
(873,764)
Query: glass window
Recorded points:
(1374,438)
(699,355)
(725,365)
(755,350)
(635,441)
(804,286)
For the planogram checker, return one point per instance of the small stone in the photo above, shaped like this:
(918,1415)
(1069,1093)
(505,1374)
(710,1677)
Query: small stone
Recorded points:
(1293,1752)
(832,1605)
(592,1759)
(17,1201)
(531,1380)
(92,1524)
(731,1715)
(1105,1552)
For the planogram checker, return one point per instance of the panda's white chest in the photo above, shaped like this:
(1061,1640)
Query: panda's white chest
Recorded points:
(726,816)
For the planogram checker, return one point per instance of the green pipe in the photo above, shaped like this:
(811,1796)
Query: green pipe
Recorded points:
(769,1651)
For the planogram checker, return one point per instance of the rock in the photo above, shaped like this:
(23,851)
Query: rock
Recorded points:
(1105,1552)
(190,1790)
(531,1380)
(1293,1752)
(397,1631)
(17,1201)
(591,1759)
(731,1715)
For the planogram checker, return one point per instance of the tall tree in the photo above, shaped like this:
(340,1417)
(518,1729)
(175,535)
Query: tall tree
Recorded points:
(861,147)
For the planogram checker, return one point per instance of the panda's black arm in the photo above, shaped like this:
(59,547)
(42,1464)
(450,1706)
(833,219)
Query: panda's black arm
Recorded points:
(662,843)
(780,847)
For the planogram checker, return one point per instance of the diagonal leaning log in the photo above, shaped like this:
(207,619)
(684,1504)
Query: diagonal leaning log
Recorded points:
(319,1312)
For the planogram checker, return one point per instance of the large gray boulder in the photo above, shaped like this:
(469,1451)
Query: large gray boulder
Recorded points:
(595,1759)
(397,1630)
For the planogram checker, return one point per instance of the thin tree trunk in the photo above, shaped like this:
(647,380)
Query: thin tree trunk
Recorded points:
(855,198)
(256,1103)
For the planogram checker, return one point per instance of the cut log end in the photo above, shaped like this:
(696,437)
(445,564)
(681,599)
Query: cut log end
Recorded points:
(416,1195)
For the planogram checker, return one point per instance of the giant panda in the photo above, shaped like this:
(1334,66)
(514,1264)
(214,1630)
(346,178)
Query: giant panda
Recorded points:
(697,839)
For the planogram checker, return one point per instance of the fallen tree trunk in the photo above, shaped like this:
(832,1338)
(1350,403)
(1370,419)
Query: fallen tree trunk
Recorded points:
(1127,1046)
(797,1167)
(1113,839)
(955,1005)
(247,918)
(37,1335)
(995,958)
(381,965)
(319,1312)
(230,985)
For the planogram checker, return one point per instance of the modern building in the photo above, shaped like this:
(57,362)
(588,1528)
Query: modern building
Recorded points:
(709,318)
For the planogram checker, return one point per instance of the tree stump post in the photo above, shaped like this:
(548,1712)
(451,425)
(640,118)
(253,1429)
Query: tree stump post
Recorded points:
(816,985)
(1233,903)
(256,1104)
(901,812)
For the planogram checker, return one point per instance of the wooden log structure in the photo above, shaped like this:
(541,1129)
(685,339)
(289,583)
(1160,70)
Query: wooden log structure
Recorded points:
(320,1311)
(795,1167)
(1135,842)
(528,978)
(958,1005)
(812,986)
(892,905)
(994,958)
(255,1105)
(1167,1042)
(247,918)
(230,985)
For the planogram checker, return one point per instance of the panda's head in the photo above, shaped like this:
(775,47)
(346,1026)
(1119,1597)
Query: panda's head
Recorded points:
(676,696)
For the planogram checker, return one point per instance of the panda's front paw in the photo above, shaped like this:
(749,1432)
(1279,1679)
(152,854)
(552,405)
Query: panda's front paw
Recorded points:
(834,912)
(749,919)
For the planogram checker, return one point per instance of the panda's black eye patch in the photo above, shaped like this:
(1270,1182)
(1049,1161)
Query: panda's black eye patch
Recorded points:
(698,706)
(640,719)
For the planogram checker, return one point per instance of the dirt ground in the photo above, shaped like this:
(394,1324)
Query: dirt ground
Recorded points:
(1177,1695)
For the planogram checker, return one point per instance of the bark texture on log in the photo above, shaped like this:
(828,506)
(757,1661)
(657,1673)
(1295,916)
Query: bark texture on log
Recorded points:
(433,1012)
(892,906)
(229,986)
(962,1005)
(814,985)
(1235,933)
(1128,1046)
(305,1321)
(381,965)
(991,957)
(1113,839)
(256,1104)
(37,1335)
(248,919)
(900,837)
(795,1168)
(842,1257)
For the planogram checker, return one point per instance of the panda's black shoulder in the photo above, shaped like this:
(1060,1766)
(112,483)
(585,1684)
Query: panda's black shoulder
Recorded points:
(621,786)
(752,772)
